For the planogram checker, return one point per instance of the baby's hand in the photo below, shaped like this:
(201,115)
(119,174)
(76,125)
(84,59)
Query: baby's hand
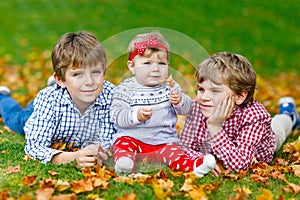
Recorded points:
(175,97)
(144,113)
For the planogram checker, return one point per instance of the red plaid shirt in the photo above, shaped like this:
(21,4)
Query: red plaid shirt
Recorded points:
(247,134)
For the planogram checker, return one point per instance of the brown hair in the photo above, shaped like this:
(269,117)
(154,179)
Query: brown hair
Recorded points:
(230,69)
(76,50)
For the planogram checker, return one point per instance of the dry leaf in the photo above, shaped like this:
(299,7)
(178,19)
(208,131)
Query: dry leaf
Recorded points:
(159,191)
(26,158)
(53,173)
(64,197)
(124,179)
(128,197)
(4,194)
(44,193)
(99,183)
(81,186)
(62,185)
(13,169)
(266,195)
(29,180)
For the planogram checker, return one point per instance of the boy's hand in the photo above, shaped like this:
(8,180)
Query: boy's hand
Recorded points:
(175,97)
(144,113)
(222,112)
(90,155)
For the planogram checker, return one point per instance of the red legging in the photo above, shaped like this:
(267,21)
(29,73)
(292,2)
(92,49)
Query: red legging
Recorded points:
(169,154)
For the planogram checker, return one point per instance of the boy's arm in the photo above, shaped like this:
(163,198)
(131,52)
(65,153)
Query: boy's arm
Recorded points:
(39,130)
(238,153)
(86,157)
(246,135)
(191,132)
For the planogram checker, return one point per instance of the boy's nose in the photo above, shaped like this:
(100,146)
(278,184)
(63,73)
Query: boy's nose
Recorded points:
(88,79)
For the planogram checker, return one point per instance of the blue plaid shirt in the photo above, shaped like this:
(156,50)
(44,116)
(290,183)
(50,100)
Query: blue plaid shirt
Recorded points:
(56,119)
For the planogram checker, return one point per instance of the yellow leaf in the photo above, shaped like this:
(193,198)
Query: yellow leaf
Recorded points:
(266,195)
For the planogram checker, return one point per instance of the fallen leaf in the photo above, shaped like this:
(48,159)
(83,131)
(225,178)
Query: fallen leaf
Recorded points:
(162,188)
(124,179)
(99,183)
(44,193)
(266,195)
(128,197)
(26,158)
(62,185)
(296,169)
(4,194)
(13,169)
(47,183)
(257,178)
(197,193)
(53,173)
(29,180)
(81,186)
(64,197)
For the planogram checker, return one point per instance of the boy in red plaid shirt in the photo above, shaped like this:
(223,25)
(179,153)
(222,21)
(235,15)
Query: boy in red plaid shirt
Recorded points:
(227,122)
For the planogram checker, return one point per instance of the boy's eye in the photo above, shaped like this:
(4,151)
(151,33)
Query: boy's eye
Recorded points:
(77,74)
(200,89)
(97,72)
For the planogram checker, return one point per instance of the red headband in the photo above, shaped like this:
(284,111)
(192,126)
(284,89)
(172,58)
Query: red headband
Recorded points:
(140,47)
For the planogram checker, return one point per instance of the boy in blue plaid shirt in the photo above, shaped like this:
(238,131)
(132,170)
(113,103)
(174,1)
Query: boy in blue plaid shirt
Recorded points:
(75,109)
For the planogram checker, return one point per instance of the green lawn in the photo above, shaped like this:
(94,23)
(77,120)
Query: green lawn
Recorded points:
(267,33)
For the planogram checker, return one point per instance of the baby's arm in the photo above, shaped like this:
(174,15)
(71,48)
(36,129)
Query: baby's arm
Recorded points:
(175,97)
(180,101)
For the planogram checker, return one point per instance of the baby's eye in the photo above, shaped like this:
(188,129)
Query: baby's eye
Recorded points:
(162,63)
(146,63)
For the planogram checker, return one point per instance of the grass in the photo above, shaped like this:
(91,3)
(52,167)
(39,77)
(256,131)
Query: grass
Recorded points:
(266,33)
(12,153)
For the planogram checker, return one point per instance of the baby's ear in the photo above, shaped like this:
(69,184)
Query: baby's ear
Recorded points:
(240,98)
(130,66)
(60,82)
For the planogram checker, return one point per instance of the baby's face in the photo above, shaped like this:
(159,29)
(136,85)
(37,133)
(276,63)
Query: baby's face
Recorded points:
(150,71)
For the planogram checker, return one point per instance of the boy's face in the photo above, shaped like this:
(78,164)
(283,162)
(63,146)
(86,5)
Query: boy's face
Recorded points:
(149,71)
(84,85)
(209,95)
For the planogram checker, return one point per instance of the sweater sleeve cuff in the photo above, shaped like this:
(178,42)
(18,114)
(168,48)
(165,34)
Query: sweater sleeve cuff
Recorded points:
(133,116)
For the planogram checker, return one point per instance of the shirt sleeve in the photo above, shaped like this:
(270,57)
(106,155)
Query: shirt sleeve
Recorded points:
(107,130)
(238,154)
(39,130)
(190,134)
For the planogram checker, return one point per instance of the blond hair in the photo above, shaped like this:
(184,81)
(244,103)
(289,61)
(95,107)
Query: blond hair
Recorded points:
(77,50)
(230,69)
(145,37)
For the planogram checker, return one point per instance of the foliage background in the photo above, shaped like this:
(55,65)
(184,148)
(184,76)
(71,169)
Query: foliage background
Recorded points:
(267,33)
